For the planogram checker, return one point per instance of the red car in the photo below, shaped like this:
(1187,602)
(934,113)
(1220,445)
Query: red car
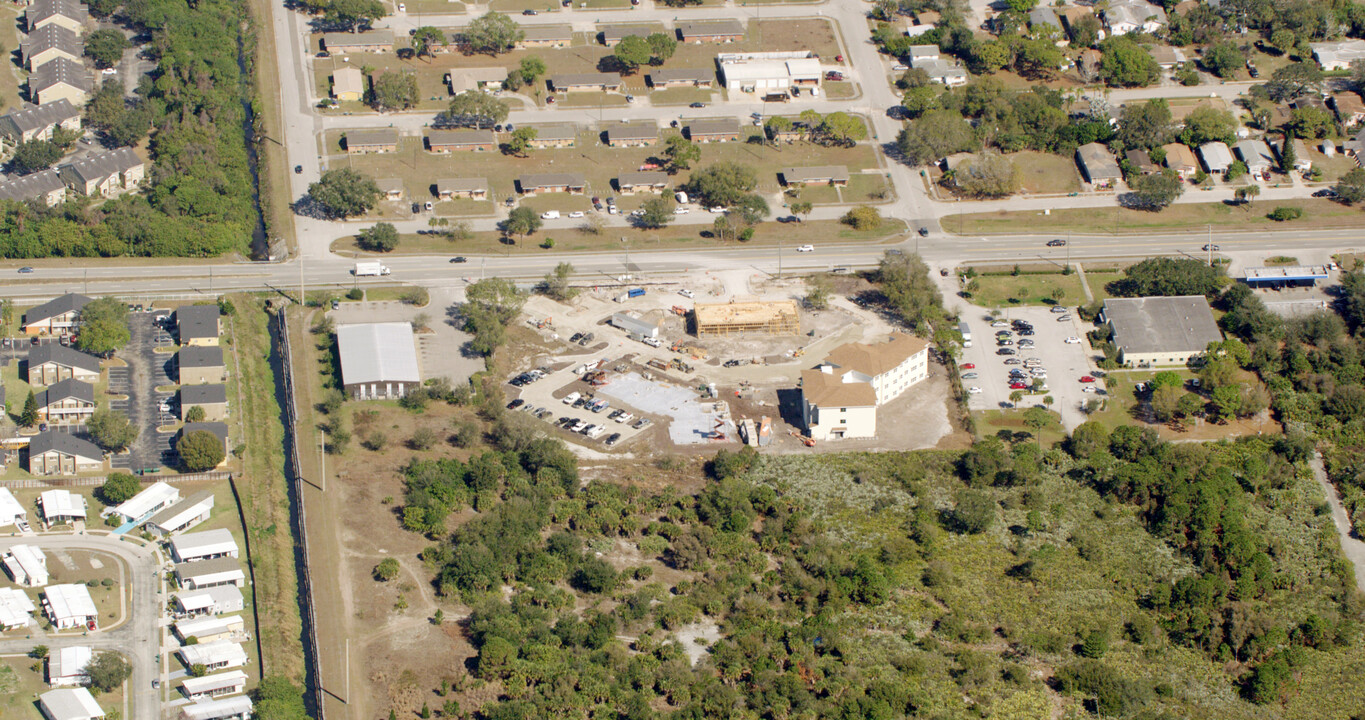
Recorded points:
(1087,378)
(1018,386)
(968,366)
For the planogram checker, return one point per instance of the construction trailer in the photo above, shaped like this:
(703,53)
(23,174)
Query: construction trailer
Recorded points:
(776,317)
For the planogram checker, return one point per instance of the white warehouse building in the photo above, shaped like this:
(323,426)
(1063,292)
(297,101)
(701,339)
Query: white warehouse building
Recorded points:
(840,396)
(764,72)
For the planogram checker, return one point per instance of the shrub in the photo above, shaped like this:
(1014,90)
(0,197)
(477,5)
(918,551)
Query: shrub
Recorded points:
(355,294)
(863,217)
(1281,214)
(386,570)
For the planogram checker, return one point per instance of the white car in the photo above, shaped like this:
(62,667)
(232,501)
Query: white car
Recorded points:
(652,342)
(1088,388)
(636,213)
(624,417)
(685,293)
(1000,323)
(899,68)
(611,210)
(109,71)
(550,215)
(402,7)
(974,390)
(717,210)
(806,248)
(680,211)
(576,214)
(571,397)
(1072,340)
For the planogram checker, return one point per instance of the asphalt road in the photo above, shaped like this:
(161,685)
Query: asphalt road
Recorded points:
(139,637)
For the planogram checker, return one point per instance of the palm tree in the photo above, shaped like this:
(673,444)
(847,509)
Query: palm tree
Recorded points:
(1047,400)
(1016,396)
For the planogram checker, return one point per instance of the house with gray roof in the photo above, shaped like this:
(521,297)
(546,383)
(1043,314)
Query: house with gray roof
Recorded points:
(66,401)
(59,79)
(50,42)
(471,188)
(104,175)
(635,135)
(368,41)
(713,130)
(200,365)
(655,181)
(1216,157)
(681,77)
(613,34)
(37,122)
(212,398)
(548,136)
(726,30)
(815,175)
(1256,155)
(1098,165)
(536,184)
(69,14)
(51,363)
(448,141)
(578,82)
(57,315)
(198,324)
(363,142)
(44,186)
(538,36)
(61,453)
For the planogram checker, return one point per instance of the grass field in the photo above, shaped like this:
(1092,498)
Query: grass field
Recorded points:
(10,76)
(1097,282)
(862,188)
(272,162)
(1317,214)
(1045,173)
(1007,290)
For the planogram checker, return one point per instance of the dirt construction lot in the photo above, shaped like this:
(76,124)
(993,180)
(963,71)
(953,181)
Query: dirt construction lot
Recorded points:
(1065,364)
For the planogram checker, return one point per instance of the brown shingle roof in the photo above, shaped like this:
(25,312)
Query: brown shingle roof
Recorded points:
(824,389)
(873,360)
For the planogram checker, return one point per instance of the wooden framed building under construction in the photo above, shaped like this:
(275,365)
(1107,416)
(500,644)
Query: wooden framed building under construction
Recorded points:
(777,317)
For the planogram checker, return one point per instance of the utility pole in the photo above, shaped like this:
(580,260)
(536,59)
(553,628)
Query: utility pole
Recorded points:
(322,463)
(303,300)
(348,671)
(779,257)
(1208,244)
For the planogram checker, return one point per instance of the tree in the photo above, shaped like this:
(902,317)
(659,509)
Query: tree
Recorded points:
(521,140)
(751,209)
(490,306)
(910,291)
(1039,57)
(802,208)
(817,292)
(521,221)
(991,56)
(1085,30)
(354,12)
(989,174)
(1127,64)
(661,46)
(974,513)
(722,184)
(1166,402)
(1155,191)
(774,126)
(1310,123)
(863,217)
(1289,157)
(1145,125)
(34,155)
(344,193)
(108,671)
(1208,124)
(393,91)
(380,237)
(531,68)
(1293,80)
(1095,644)
(1224,59)
(200,450)
(105,47)
(493,33)
(278,698)
(1351,187)
(1022,6)
(1246,194)
(1163,276)
(425,38)
(681,153)
(29,417)
(104,326)
(632,51)
(556,283)
(1281,214)
(119,488)
(1283,40)
(475,109)
(111,430)
(936,135)
(658,212)
(840,128)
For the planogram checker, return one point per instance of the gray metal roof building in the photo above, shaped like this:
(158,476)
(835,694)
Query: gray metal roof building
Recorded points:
(670,75)
(378,359)
(60,71)
(1161,330)
(32,187)
(815,174)
(62,355)
(201,356)
(93,168)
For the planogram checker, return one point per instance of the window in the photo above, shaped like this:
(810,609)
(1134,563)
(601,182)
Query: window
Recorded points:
(843,410)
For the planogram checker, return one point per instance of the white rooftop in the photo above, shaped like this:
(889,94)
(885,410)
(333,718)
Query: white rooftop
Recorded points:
(70,602)
(795,68)
(29,561)
(209,542)
(69,661)
(216,709)
(10,509)
(15,606)
(210,683)
(378,352)
(214,653)
(203,627)
(62,503)
(156,495)
(70,704)
(195,600)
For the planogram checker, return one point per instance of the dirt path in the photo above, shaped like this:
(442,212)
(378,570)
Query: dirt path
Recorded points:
(1354,548)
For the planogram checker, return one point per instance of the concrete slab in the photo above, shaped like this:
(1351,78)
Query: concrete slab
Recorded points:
(690,418)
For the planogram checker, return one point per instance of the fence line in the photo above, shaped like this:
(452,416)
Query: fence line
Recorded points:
(295,471)
(87,481)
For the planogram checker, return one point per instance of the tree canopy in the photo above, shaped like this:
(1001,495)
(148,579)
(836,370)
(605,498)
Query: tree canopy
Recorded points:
(344,193)
(493,33)
(111,430)
(722,184)
(103,326)
(490,306)
(200,450)
(1168,277)
(475,109)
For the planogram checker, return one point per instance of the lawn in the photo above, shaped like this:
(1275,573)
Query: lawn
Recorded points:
(1045,173)
(434,7)
(1332,167)
(840,90)
(23,679)
(680,96)
(9,39)
(1007,290)
(1318,214)
(991,422)
(1121,401)
(682,236)
(1098,281)
(862,188)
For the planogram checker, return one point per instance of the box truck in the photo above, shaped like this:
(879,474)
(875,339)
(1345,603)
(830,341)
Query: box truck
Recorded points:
(373,267)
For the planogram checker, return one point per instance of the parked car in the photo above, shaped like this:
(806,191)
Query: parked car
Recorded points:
(515,404)
(1000,323)
(642,422)
(969,376)
(974,390)
(298,169)
(1057,309)
(1073,340)
(1063,318)
(1018,386)
(1056,243)
(968,366)
(1004,351)
(613,439)
(529,12)
(685,293)
(1013,361)
(1087,379)
(697,105)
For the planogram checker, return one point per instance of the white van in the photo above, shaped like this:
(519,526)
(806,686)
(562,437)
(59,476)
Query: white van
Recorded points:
(681,197)
(550,215)
(571,398)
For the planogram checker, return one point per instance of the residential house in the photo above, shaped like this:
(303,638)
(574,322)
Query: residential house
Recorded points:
(544,36)
(613,34)
(66,666)
(551,182)
(681,77)
(1166,56)
(151,500)
(1141,161)
(51,363)
(1130,16)
(554,136)
(57,316)
(59,453)
(940,70)
(44,186)
(348,84)
(1256,155)
(11,512)
(715,31)
(26,565)
(201,365)
(637,135)
(1072,14)
(713,130)
(198,324)
(1347,104)
(840,396)
(655,181)
(16,608)
(216,429)
(209,601)
(463,80)
(578,82)
(69,607)
(378,360)
(364,142)
(232,682)
(66,401)
(373,41)
(1216,157)
(815,175)
(70,704)
(213,656)
(1181,159)
(70,14)
(212,398)
(210,629)
(61,507)
(210,573)
(1338,55)
(182,516)
(1303,162)
(1098,166)
(60,79)
(229,708)
(201,546)
(1044,21)
(471,188)
(392,188)
(50,42)
(448,141)
(107,174)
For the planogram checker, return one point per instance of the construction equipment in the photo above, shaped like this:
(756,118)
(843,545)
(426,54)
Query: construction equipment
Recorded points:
(596,378)
(679,310)
(807,441)
(678,364)
(657,364)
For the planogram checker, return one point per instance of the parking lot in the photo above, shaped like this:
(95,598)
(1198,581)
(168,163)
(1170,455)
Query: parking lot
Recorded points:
(147,371)
(548,394)
(1064,363)
(441,352)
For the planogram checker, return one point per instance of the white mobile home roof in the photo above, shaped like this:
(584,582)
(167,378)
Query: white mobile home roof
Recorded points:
(205,627)
(28,561)
(68,662)
(377,352)
(15,606)
(217,596)
(209,542)
(216,709)
(205,571)
(183,511)
(139,505)
(62,503)
(70,602)
(10,509)
(70,704)
(214,653)
(211,683)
